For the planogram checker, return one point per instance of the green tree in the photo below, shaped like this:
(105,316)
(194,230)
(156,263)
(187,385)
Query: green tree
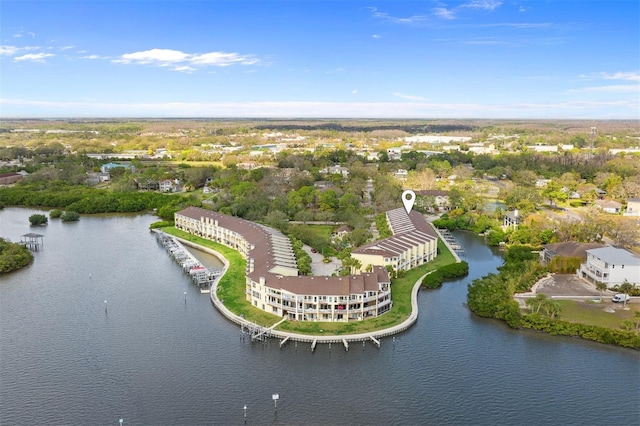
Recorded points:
(70,216)
(38,219)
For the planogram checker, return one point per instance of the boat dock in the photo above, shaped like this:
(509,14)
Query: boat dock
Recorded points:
(33,242)
(203,277)
(451,241)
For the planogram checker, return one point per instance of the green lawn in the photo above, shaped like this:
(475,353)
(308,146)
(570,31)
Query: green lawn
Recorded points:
(594,313)
(231,290)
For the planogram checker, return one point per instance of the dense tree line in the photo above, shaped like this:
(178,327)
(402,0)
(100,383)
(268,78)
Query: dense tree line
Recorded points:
(447,272)
(90,200)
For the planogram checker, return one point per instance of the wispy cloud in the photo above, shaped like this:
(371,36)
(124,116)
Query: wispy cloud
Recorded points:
(408,97)
(376,36)
(337,70)
(6,50)
(396,19)
(482,4)
(440,12)
(22,33)
(443,13)
(488,41)
(617,88)
(179,59)
(34,57)
(621,75)
(184,68)
(94,57)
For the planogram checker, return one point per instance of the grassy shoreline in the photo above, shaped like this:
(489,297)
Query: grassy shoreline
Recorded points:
(231,290)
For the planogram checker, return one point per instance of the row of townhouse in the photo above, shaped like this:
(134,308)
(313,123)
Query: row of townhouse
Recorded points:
(611,265)
(272,281)
(413,243)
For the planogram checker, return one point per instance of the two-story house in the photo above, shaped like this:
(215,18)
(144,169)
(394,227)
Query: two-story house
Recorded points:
(611,266)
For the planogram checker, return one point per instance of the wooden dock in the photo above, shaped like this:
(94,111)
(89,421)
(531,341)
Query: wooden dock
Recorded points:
(203,277)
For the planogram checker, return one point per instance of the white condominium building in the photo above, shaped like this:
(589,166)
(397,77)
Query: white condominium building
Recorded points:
(272,281)
(413,243)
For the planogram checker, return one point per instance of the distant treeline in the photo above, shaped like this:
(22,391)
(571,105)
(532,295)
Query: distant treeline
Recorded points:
(91,200)
(369,127)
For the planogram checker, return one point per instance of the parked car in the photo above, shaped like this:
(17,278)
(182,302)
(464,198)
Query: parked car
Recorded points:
(620,297)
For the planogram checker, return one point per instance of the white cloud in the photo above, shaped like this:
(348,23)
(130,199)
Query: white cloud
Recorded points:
(619,88)
(621,75)
(444,13)
(184,68)
(35,57)
(185,61)
(91,57)
(21,34)
(13,50)
(376,36)
(335,71)
(482,4)
(408,97)
(222,59)
(8,50)
(157,56)
(398,20)
(354,92)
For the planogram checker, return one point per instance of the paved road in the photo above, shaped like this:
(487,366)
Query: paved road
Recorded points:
(318,267)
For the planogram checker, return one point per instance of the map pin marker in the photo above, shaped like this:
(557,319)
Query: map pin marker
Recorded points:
(408,198)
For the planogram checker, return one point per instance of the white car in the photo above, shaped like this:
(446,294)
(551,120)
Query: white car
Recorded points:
(620,297)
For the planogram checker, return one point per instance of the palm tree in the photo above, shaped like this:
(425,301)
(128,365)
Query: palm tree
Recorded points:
(602,287)
(552,307)
(625,287)
(537,302)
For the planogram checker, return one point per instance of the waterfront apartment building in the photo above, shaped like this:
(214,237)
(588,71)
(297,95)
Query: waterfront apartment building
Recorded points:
(272,281)
(611,266)
(413,243)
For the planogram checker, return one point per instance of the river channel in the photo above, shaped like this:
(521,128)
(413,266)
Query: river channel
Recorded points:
(152,356)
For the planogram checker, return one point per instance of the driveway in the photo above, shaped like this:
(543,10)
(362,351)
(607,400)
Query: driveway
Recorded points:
(318,267)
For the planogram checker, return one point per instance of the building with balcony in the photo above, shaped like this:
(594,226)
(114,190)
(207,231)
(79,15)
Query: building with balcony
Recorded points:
(413,243)
(611,265)
(272,283)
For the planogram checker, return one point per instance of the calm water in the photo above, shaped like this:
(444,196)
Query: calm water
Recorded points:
(155,359)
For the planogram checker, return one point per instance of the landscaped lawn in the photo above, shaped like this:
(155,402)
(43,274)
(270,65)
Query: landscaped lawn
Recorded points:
(594,313)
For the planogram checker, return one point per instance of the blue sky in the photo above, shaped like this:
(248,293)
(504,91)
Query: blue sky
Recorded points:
(351,59)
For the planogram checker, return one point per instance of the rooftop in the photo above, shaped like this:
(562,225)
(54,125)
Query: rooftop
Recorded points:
(615,256)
